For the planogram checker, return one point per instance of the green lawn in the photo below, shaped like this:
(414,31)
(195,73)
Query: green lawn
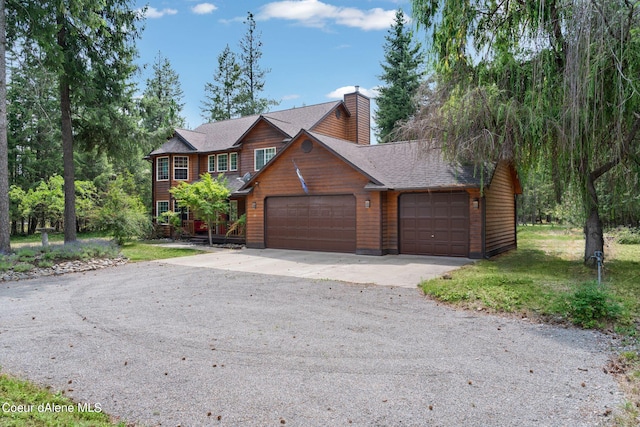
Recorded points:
(545,277)
(149,251)
(24,404)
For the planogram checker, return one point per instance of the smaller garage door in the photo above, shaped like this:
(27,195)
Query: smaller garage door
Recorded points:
(434,224)
(312,223)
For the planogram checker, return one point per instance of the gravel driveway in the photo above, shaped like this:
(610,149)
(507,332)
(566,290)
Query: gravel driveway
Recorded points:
(162,344)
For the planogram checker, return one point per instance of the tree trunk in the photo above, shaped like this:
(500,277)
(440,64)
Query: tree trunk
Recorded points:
(5,224)
(594,237)
(209,226)
(70,235)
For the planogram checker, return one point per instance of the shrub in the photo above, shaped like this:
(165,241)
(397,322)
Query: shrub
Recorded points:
(22,267)
(628,236)
(591,305)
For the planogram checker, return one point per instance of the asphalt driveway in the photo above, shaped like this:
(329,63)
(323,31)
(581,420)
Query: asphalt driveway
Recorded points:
(166,344)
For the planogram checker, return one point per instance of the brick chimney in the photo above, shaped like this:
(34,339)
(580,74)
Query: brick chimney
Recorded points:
(359,124)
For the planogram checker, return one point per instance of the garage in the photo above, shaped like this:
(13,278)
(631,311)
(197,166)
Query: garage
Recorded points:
(312,223)
(434,224)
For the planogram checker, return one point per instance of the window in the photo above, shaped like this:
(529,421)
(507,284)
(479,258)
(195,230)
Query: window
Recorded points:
(262,156)
(162,169)
(182,211)
(181,168)
(223,162)
(161,207)
(212,163)
(233,161)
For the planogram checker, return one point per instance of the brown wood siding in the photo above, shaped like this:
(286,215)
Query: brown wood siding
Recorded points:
(500,226)
(334,126)
(263,135)
(476,231)
(325,174)
(390,240)
(358,126)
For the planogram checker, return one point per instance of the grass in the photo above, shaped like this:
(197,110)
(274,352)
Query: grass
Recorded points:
(24,404)
(546,278)
(140,251)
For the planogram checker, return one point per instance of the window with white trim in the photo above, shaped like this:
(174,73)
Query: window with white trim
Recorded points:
(162,169)
(162,207)
(233,161)
(262,156)
(211,161)
(182,211)
(223,162)
(181,168)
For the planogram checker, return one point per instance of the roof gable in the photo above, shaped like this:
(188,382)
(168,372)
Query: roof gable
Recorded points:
(228,134)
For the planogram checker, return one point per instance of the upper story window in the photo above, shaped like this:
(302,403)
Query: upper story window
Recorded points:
(181,167)
(223,162)
(262,156)
(233,161)
(211,161)
(162,169)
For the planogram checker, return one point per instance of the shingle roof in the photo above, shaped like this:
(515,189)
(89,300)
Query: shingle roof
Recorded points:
(223,135)
(403,165)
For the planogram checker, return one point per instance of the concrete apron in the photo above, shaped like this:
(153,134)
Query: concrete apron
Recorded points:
(405,271)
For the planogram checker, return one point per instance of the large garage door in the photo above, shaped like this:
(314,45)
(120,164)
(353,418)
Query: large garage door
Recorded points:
(312,223)
(434,224)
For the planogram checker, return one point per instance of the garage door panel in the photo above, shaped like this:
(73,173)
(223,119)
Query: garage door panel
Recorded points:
(434,223)
(318,223)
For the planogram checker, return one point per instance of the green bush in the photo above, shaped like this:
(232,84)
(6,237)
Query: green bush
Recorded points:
(628,236)
(22,267)
(591,305)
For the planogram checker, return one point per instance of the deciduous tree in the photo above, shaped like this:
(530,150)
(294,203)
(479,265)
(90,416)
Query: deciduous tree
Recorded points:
(532,80)
(207,198)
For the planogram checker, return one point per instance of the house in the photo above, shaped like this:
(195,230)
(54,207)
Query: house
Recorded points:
(308,178)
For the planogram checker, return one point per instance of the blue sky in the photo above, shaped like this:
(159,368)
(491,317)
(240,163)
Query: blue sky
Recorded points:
(316,49)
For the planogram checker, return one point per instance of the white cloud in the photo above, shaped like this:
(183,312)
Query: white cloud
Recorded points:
(153,13)
(290,97)
(203,8)
(315,13)
(342,91)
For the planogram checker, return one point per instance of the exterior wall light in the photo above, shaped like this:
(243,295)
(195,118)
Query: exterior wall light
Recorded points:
(367,204)
(476,203)
(254,205)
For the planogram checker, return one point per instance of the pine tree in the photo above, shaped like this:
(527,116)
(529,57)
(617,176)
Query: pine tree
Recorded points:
(401,74)
(161,104)
(252,77)
(89,45)
(222,96)
(5,226)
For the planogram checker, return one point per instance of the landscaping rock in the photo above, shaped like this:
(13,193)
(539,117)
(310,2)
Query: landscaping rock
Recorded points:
(75,266)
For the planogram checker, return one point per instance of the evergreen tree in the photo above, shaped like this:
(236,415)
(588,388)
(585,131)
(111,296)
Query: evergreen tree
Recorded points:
(5,224)
(401,74)
(89,45)
(33,120)
(252,76)
(222,98)
(161,104)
